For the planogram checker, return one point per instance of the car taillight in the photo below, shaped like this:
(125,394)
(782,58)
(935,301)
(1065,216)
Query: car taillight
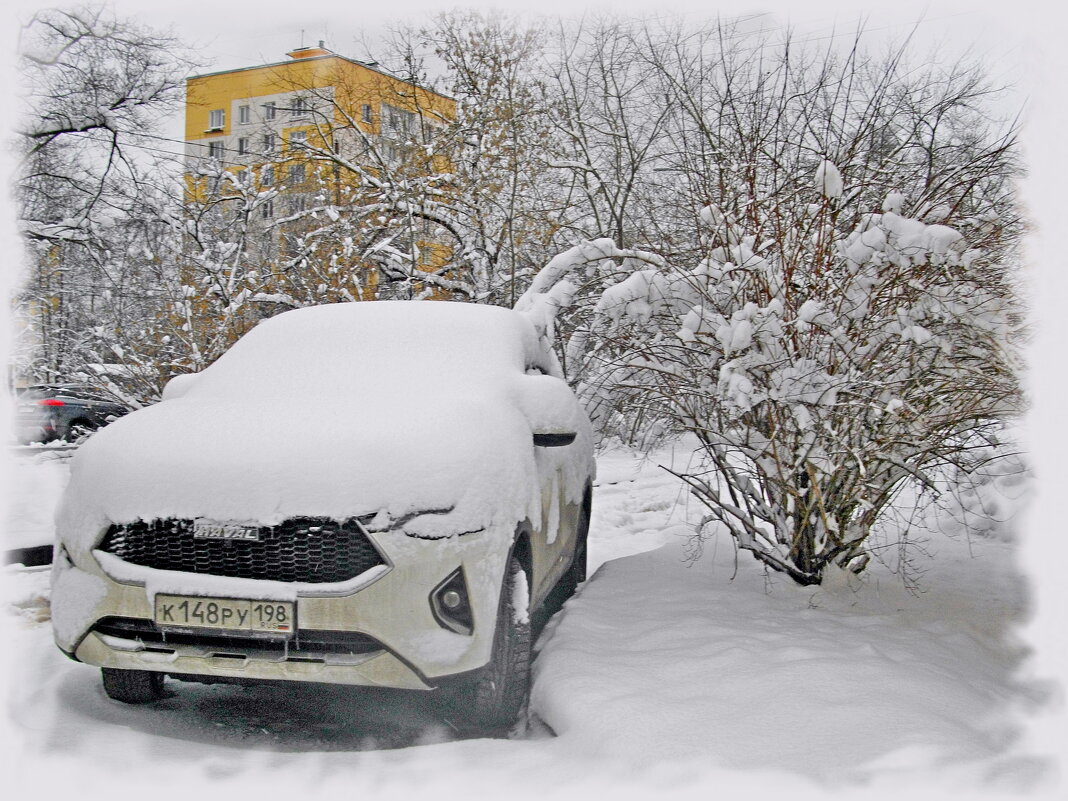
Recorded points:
(50,402)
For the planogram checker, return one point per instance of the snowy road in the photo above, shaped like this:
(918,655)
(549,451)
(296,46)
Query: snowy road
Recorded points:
(659,676)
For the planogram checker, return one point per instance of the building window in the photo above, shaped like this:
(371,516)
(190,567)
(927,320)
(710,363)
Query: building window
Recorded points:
(213,184)
(216,119)
(397,122)
(267,209)
(242,145)
(267,176)
(243,115)
(215,149)
(242,177)
(298,204)
(298,139)
(365,111)
(299,107)
(269,111)
(296,174)
(268,143)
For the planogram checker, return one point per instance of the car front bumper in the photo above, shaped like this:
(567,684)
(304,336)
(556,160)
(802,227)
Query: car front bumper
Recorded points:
(384,629)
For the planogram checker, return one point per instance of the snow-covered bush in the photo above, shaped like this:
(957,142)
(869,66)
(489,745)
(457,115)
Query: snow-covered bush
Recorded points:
(818,384)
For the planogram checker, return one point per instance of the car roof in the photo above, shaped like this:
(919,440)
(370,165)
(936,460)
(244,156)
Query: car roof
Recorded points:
(84,391)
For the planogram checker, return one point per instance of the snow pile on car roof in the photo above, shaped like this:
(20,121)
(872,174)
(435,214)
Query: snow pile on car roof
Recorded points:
(350,346)
(336,411)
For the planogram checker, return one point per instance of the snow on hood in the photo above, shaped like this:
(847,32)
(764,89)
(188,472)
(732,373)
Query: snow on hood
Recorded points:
(337,411)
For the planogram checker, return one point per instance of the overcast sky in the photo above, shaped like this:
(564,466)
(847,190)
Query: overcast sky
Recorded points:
(225,34)
(238,30)
(241,32)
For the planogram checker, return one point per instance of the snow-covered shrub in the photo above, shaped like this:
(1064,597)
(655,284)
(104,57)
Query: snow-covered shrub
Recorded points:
(816,384)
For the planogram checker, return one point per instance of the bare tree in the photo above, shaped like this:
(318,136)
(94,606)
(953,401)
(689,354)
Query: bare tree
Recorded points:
(501,188)
(95,87)
(611,122)
(461,200)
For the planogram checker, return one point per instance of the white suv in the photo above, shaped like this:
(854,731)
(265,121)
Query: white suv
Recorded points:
(376,493)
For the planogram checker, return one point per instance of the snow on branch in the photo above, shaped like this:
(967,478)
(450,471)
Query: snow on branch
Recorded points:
(816,384)
(549,292)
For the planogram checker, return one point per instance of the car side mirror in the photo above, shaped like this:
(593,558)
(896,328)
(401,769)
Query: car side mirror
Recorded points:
(550,407)
(553,440)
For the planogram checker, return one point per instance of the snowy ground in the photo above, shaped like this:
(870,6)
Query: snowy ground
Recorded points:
(661,676)
(36,476)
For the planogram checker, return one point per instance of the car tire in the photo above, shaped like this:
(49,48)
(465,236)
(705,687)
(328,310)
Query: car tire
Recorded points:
(499,695)
(132,686)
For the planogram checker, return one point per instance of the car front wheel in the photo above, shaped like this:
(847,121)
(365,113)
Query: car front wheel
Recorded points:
(132,686)
(499,695)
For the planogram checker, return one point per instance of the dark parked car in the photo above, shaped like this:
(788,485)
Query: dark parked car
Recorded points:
(48,412)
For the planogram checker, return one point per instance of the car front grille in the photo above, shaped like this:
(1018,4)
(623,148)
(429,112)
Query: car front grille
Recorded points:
(304,549)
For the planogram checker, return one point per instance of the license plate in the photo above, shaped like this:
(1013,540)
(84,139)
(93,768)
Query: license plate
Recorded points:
(262,618)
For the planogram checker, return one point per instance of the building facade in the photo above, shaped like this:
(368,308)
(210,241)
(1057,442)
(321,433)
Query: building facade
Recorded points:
(309,157)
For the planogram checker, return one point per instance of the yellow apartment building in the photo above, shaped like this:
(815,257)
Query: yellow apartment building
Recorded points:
(315,130)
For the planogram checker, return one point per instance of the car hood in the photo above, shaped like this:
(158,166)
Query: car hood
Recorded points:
(261,461)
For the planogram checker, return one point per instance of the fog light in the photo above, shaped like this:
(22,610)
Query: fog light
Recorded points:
(450,604)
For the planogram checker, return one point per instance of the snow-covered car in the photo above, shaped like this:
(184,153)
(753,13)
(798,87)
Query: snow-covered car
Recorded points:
(374,493)
(47,412)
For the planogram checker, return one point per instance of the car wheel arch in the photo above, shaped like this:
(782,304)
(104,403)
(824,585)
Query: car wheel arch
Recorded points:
(78,427)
